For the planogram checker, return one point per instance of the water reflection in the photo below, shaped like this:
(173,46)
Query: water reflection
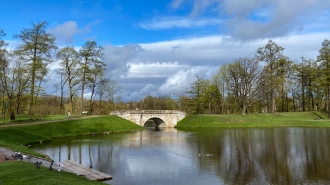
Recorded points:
(203,156)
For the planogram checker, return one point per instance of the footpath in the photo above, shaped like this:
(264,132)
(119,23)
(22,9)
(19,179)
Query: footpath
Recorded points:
(42,122)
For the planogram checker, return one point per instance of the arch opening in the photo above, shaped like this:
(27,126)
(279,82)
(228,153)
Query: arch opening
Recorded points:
(154,122)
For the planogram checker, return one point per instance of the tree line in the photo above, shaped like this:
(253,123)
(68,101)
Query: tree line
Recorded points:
(269,82)
(23,72)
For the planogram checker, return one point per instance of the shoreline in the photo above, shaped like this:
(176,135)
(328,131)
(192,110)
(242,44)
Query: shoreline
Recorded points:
(287,119)
(18,137)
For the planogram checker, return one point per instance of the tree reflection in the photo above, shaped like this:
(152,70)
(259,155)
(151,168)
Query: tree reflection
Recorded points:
(232,156)
(266,156)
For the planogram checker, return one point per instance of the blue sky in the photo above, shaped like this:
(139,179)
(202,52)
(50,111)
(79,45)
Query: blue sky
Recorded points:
(158,47)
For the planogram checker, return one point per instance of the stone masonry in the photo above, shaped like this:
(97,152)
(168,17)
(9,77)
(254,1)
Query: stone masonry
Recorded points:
(140,117)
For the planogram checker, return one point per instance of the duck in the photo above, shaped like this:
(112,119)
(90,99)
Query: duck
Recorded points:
(37,164)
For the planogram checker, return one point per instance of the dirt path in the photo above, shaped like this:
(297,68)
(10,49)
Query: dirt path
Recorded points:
(42,122)
(7,155)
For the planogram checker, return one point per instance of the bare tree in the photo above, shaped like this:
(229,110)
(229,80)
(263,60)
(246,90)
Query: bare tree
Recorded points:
(113,91)
(270,54)
(69,63)
(91,53)
(95,77)
(244,76)
(36,51)
(324,59)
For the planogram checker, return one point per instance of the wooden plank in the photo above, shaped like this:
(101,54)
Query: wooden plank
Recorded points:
(88,170)
(82,170)
(88,173)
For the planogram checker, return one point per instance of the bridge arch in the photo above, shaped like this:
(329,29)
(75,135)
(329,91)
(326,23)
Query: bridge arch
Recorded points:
(154,122)
(167,117)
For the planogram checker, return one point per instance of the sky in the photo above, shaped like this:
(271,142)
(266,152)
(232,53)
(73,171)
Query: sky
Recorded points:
(159,47)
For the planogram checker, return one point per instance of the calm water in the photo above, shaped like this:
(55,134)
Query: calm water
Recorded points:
(203,156)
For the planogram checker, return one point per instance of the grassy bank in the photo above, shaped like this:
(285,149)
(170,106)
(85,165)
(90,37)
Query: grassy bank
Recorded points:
(15,138)
(288,119)
(19,172)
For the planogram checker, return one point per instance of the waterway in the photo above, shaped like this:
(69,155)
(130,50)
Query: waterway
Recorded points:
(202,156)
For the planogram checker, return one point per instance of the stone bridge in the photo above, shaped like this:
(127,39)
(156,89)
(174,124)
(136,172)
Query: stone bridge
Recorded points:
(158,118)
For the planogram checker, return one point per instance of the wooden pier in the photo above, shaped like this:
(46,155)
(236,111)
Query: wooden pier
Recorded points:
(82,170)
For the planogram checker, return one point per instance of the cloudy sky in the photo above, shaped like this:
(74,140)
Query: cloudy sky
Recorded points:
(158,47)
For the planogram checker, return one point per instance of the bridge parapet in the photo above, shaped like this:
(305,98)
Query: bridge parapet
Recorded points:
(170,117)
(146,112)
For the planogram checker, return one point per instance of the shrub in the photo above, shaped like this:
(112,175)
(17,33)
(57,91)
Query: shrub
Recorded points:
(12,117)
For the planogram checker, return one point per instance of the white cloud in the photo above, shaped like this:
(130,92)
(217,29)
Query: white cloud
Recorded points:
(201,5)
(201,56)
(258,19)
(155,69)
(176,84)
(88,27)
(148,89)
(176,3)
(180,82)
(179,22)
(117,58)
(65,32)
(207,51)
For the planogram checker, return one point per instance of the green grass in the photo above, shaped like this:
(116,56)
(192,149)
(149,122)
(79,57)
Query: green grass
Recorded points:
(287,119)
(19,172)
(15,138)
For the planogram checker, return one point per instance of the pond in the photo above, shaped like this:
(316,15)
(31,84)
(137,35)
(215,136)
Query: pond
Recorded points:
(202,156)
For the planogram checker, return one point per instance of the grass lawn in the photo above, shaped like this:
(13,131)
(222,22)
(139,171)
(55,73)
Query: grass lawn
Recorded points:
(19,172)
(287,119)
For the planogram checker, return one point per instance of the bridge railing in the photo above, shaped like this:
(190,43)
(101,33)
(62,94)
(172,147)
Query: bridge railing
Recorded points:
(146,112)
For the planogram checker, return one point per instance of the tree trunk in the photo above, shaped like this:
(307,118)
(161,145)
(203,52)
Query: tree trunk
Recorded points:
(244,109)
(83,87)
(328,101)
(31,110)
(283,98)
